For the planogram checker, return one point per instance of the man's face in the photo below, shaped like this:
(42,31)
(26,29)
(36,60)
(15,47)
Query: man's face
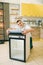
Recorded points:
(20,23)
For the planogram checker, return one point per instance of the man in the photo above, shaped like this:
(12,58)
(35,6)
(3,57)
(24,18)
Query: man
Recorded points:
(23,28)
(20,27)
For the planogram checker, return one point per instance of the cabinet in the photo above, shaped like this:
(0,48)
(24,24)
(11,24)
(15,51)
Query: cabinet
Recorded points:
(41,32)
(36,33)
(1,24)
(4,21)
(14,10)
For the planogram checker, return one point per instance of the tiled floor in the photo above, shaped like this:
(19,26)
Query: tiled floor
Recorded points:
(36,56)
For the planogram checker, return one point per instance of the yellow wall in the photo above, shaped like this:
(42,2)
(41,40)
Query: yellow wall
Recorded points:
(32,10)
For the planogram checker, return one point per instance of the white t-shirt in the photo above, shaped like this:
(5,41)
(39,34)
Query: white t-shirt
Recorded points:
(20,29)
(26,26)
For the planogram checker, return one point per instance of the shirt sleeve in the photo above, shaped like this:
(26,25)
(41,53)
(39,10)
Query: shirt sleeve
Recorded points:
(27,27)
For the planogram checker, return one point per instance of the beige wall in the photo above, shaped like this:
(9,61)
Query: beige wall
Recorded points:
(32,1)
(11,1)
(24,1)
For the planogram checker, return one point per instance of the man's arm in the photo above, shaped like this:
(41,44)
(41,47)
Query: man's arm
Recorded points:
(27,31)
(8,30)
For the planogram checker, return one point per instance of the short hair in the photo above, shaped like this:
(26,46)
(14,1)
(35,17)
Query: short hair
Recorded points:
(18,21)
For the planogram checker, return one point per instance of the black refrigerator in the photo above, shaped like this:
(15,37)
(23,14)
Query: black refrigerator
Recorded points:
(19,46)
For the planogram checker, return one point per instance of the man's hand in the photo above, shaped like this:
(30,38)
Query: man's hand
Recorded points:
(24,32)
(8,30)
(27,31)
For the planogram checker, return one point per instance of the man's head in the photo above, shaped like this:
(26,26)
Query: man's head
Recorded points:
(20,23)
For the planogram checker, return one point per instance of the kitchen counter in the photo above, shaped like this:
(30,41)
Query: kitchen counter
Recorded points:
(35,26)
(36,33)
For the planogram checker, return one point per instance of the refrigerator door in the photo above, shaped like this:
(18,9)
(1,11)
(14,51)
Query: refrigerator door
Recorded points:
(17,49)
